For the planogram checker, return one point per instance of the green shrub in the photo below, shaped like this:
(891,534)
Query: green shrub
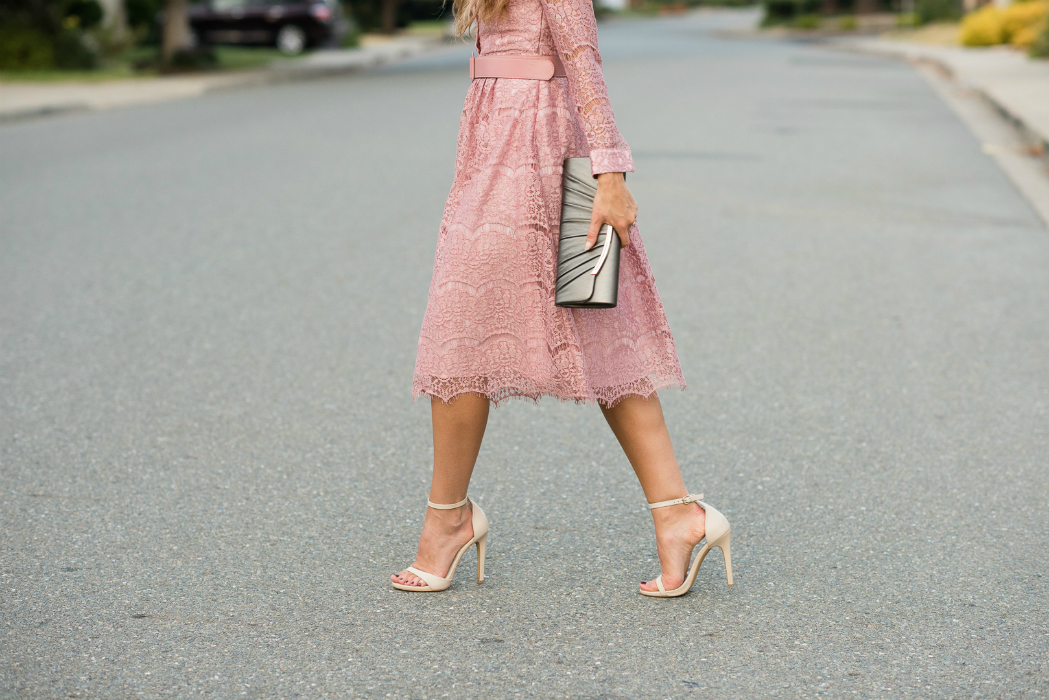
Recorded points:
(37,35)
(71,53)
(784,11)
(83,14)
(1040,47)
(26,49)
(197,58)
(22,48)
(778,12)
(352,39)
(142,18)
(937,10)
(806,22)
(847,23)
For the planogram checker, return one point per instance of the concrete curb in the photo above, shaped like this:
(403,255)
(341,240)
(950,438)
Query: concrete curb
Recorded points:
(25,101)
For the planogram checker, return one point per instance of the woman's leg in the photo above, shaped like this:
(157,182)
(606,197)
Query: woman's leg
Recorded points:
(639,426)
(458,428)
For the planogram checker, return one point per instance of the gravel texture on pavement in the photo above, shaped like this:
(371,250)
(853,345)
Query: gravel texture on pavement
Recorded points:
(210,461)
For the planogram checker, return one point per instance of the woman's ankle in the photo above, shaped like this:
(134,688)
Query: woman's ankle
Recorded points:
(686,520)
(450,520)
(671,515)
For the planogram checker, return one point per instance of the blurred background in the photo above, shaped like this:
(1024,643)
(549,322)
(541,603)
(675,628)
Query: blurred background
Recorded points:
(48,39)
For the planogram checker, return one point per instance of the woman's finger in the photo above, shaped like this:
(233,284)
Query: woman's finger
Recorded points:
(591,235)
(624,236)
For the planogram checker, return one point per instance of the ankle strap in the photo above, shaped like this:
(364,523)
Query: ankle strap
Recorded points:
(447,506)
(690,498)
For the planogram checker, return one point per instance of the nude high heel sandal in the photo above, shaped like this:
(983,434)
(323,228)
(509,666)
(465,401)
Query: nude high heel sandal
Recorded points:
(718,534)
(480,538)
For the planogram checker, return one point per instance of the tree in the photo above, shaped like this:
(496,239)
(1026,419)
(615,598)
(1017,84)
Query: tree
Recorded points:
(389,15)
(177,36)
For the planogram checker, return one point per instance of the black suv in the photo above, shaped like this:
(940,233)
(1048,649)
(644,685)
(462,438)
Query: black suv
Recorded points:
(290,25)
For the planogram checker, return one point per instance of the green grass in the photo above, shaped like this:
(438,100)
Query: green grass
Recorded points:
(82,76)
(908,19)
(806,22)
(427,26)
(244,57)
(122,67)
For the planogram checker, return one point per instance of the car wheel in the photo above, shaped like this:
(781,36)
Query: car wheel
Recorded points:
(291,40)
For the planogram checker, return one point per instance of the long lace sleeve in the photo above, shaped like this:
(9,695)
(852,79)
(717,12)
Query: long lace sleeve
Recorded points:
(574,31)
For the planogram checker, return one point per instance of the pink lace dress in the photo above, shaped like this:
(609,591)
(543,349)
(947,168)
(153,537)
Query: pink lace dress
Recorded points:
(491,326)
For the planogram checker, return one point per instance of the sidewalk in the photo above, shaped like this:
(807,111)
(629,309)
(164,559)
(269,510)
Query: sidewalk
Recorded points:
(27,100)
(1015,84)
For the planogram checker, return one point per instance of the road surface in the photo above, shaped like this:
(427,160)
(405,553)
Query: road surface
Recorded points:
(210,461)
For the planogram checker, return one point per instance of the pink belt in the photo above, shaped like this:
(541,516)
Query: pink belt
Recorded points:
(525,67)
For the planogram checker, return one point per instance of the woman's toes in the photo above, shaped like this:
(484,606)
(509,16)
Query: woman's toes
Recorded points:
(404,579)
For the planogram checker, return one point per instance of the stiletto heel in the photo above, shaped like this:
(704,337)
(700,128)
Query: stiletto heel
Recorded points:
(718,534)
(480,525)
(725,544)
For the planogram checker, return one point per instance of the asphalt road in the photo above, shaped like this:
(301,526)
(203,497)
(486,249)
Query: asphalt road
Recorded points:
(210,460)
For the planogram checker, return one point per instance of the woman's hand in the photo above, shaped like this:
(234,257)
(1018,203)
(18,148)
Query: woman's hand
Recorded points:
(613,204)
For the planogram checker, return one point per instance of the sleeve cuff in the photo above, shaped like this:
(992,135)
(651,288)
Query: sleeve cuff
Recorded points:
(611,160)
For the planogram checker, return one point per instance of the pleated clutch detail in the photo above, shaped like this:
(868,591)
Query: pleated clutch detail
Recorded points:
(585,279)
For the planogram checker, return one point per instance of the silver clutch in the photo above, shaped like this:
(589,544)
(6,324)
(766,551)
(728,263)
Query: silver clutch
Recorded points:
(585,279)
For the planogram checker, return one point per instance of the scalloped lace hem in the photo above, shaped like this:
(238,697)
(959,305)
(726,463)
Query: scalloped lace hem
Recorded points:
(499,391)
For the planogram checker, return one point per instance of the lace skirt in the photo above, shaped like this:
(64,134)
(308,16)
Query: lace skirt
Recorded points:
(491,326)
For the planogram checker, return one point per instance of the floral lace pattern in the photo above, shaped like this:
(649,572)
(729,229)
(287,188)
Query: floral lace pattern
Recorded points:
(491,326)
